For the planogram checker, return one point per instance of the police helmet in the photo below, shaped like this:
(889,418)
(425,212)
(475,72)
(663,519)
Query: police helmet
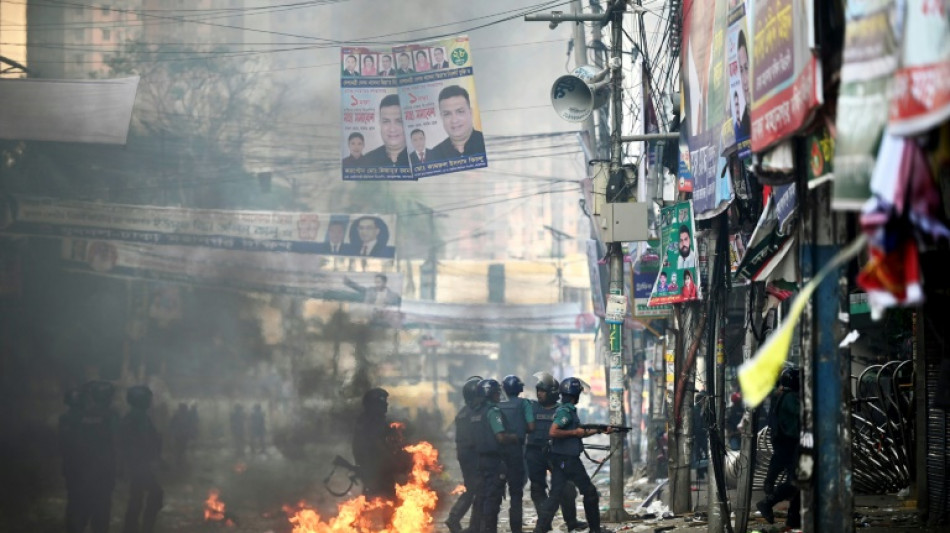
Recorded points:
(488,388)
(375,396)
(547,383)
(470,389)
(571,387)
(139,396)
(513,385)
(101,392)
(789,379)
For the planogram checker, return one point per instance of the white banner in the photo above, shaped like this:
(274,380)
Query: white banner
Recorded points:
(83,111)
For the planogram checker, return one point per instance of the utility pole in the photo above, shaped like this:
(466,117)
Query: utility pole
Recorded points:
(580,59)
(825,463)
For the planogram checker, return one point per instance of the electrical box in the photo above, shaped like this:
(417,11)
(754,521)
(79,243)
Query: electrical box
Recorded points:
(624,222)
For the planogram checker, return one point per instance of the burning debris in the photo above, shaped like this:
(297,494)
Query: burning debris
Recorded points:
(411,512)
(215,509)
(458,490)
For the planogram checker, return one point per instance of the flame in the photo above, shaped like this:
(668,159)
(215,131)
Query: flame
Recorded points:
(458,490)
(410,513)
(214,508)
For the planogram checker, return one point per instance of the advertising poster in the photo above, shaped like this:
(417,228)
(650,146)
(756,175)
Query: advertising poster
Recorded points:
(678,280)
(707,130)
(646,269)
(921,97)
(786,81)
(738,61)
(869,61)
(410,111)
(254,231)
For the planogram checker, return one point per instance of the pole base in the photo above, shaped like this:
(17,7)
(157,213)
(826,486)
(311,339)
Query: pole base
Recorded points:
(613,516)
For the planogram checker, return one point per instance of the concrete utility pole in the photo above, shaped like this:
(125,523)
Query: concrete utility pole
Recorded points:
(825,463)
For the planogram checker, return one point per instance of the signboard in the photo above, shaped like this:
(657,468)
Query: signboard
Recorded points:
(289,273)
(678,280)
(646,268)
(256,231)
(921,96)
(410,111)
(707,130)
(786,79)
(869,61)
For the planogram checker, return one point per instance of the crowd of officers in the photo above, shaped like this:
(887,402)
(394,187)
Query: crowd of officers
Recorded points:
(95,444)
(501,443)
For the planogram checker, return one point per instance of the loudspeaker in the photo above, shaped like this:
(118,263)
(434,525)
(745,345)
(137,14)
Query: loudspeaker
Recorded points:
(576,95)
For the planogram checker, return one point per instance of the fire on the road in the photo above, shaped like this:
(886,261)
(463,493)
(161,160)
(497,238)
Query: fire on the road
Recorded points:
(410,513)
(214,509)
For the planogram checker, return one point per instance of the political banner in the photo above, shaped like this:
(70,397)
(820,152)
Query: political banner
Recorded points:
(256,231)
(870,59)
(707,130)
(410,111)
(786,76)
(921,97)
(737,65)
(646,269)
(289,273)
(678,280)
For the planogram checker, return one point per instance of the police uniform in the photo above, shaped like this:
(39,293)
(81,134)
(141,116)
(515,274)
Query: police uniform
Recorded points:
(519,414)
(468,461)
(491,467)
(538,460)
(567,466)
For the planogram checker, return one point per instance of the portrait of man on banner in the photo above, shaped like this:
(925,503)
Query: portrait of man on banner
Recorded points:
(679,278)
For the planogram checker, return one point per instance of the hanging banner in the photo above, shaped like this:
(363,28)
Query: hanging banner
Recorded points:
(921,97)
(646,269)
(410,111)
(707,129)
(786,77)
(257,231)
(678,280)
(738,61)
(286,273)
(869,62)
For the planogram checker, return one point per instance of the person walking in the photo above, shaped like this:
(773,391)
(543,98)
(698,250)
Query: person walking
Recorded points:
(566,448)
(257,429)
(784,422)
(538,450)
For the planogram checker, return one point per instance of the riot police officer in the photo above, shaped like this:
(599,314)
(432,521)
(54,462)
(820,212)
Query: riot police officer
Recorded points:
(142,452)
(467,455)
(491,435)
(566,448)
(87,440)
(520,417)
(537,453)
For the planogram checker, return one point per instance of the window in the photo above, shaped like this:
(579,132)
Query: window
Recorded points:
(106,34)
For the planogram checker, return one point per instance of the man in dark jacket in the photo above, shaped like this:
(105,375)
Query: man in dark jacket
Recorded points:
(784,432)
(467,456)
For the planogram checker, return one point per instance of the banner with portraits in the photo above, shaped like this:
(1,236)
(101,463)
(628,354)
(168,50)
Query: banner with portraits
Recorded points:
(253,231)
(678,279)
(707,131)
(290,273)
(410,111)
(921,97)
